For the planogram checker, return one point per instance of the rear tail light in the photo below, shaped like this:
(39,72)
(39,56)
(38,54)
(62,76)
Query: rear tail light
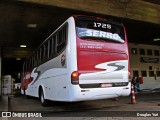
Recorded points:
(75,78)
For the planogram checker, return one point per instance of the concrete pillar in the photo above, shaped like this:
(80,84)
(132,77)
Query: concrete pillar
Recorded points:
(0,71)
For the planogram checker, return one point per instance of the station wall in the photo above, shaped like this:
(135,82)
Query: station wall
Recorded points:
(145,62)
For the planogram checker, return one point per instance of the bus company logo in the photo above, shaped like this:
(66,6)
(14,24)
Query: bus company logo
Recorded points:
(63,60)
(119,67)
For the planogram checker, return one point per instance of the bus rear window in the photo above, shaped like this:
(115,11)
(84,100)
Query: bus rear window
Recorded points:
(97,30)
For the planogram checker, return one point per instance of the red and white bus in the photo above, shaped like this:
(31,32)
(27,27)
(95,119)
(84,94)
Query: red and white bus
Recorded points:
(86,58)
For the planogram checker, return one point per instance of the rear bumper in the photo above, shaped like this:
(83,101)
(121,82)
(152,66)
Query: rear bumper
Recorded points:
(101,93)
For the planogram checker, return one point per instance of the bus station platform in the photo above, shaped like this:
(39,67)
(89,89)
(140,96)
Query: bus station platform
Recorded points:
(4,103)
(144,101)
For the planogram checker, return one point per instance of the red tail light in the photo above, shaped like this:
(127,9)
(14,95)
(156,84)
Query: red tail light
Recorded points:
(75,78)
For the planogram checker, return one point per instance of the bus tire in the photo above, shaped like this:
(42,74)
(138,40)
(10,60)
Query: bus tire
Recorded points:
(44,102)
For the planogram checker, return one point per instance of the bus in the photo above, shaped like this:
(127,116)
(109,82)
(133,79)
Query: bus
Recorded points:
(86,58)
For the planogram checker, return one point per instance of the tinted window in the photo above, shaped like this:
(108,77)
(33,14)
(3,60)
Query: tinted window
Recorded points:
(135,73)
(61,37)
(100,30)
(158,73)
(151,73)
(149,52)
(142,52)
(144,73)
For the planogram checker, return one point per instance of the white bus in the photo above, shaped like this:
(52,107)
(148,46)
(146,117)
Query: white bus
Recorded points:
(86,58)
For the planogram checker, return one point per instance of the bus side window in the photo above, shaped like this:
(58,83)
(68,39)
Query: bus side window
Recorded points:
(46,51)
(38,57)
(61,40)
(27,68)
(42,54)
(24,67)
(34,60)
(50,47)
(28,64)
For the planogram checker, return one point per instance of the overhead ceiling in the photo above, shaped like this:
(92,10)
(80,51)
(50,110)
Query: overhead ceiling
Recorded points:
(43,20)
(15,17)
(153,1)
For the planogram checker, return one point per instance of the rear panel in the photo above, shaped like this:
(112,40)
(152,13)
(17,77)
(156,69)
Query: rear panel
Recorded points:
(102,53)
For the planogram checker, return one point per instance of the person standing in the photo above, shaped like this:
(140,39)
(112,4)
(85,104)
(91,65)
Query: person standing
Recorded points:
(134,82)
(137,84)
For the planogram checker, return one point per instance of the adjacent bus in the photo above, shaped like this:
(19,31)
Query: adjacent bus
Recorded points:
(86,58)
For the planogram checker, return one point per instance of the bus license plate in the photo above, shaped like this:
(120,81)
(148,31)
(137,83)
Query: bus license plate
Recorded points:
(105,85)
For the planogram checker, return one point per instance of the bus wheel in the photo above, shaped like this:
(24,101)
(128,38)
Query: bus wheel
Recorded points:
(44,102)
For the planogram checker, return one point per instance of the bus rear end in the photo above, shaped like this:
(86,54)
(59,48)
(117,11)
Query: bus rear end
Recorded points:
(102,59)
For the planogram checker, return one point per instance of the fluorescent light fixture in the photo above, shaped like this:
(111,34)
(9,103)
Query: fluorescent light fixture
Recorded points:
(23,46)
(18,58)
(31,25)
(156,39)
